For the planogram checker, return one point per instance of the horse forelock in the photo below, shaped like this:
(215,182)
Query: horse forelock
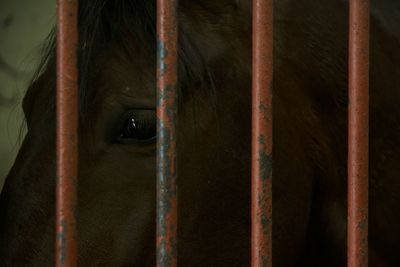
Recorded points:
(133,23)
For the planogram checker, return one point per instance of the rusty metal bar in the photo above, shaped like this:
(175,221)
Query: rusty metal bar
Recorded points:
(67,132)
(261,234)
(167,193)
(357,232)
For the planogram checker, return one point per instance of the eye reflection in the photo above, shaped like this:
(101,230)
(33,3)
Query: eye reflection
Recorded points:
(139,125)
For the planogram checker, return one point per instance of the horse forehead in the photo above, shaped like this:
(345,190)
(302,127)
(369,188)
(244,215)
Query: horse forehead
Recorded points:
(387,12)
(127,92)
(127,76)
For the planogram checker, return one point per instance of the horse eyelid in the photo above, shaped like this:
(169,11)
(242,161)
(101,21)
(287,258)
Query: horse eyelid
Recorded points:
(145,117)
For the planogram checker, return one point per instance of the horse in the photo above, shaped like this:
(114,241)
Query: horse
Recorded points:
(117,102)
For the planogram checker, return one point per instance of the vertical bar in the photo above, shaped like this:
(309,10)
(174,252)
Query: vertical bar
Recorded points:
(167,199)
(261,244)
(67,132)
(357,232)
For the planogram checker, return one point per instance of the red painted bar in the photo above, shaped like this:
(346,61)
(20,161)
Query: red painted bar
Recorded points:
(167,102)
(357,232)
(67,133)
(261,234)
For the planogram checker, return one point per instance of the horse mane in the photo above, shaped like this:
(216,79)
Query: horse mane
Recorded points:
(102,22)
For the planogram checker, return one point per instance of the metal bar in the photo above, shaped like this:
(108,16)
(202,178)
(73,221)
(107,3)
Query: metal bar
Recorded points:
(261,234)
(167,193)
(67,132)
(357,232)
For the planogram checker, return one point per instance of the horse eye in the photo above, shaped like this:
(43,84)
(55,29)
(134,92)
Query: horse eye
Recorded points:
(138,126)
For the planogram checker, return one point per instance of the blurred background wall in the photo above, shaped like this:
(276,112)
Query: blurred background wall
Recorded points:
(24,25)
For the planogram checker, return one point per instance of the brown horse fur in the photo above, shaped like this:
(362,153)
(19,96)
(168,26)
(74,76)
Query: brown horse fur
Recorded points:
(117,179)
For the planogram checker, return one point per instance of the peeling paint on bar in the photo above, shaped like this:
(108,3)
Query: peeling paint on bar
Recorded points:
(67,132)
(357,231)
(167,102)
(261,244)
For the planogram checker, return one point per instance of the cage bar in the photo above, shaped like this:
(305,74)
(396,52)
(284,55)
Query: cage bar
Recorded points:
(357,232)
(167,193)
(66,132)
(261,234)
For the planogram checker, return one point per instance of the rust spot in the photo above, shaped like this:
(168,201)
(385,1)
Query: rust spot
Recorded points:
(261,248)
(167,193)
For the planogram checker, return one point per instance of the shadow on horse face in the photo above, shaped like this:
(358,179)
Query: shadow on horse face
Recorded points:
(116,188)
